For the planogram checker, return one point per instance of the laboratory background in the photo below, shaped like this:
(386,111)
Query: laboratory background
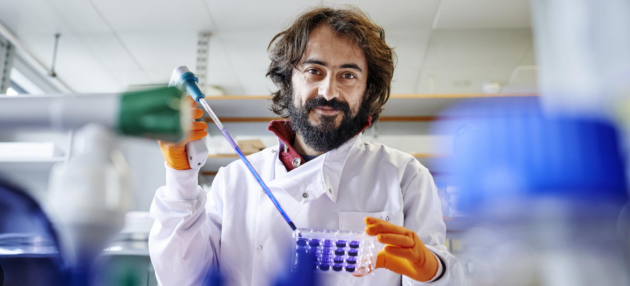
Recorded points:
(519,108)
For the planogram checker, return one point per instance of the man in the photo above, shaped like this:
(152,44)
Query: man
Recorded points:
(333,70)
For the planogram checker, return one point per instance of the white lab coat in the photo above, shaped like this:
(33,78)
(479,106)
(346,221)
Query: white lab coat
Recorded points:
(237,227)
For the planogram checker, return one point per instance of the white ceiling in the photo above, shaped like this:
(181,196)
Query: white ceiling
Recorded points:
(109,45)
(483,14)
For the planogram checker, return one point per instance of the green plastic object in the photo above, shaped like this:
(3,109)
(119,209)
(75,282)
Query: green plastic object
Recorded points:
(155,113)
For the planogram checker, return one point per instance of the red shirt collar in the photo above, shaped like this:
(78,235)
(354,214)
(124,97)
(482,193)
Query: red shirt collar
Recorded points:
(288,156)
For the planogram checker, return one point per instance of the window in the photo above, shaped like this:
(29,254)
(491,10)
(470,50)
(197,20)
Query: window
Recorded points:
(11,92)
(21,84)
(15,89)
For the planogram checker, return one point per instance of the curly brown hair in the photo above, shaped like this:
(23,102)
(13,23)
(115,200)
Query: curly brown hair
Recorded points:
(287,48)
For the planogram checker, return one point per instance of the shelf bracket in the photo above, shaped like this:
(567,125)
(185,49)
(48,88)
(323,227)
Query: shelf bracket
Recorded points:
(7,53)
(203,55)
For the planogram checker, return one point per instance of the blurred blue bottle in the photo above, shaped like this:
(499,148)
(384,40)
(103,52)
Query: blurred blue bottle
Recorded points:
(29,248)
(302,274)
(544,197)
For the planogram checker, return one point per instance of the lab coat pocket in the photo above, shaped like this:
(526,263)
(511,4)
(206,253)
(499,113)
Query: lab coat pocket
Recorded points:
(353,221)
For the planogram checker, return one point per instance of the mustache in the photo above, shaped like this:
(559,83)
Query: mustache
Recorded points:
(321,101)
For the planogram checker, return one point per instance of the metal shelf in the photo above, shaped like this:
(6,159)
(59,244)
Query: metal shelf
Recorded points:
(406,107)
(28,164)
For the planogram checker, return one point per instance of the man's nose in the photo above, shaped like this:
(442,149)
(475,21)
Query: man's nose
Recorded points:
(328,88)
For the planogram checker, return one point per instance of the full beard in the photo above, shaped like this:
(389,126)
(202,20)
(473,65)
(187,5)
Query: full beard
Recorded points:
(326,136)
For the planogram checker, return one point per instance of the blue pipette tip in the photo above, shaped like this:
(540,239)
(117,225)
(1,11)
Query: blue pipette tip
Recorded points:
(292,225)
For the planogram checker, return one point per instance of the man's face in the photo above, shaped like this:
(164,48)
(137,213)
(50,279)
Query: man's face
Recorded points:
(328,86)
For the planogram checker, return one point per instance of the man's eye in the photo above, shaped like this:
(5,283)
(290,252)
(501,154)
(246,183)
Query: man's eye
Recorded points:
(348,76)
(313,71)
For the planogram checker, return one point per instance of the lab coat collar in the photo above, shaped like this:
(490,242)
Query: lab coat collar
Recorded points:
(319,176)
(290,158)
(286,137)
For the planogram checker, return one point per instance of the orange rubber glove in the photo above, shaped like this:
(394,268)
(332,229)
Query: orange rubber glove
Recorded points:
(404,253)
(175,153)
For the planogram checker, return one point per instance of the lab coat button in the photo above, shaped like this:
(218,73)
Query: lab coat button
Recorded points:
(305,195)
(330,191)
(259,248)
(296,162)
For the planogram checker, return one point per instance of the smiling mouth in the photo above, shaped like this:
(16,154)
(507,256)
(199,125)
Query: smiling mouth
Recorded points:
(326,110)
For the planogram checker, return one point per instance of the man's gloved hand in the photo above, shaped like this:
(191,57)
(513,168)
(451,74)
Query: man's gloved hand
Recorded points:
(404,253)
(175,153)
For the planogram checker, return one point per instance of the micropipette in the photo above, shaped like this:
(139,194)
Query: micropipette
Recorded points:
(183,79)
